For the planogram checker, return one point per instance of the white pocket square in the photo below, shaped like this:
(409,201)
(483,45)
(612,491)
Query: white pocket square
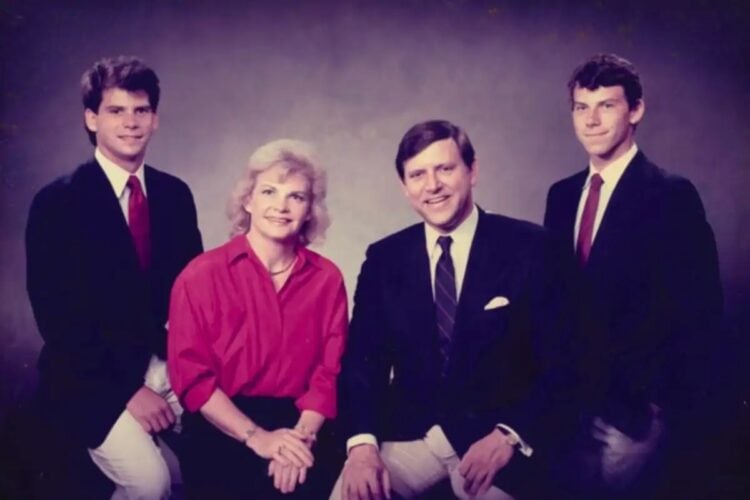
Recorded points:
(496,302)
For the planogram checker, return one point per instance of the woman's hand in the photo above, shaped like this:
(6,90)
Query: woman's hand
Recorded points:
(286,477)
(286,446)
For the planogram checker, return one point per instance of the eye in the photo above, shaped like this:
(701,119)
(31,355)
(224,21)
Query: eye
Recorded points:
(416,174)
(447,168)
(609,105)
(266,191)
(299,197)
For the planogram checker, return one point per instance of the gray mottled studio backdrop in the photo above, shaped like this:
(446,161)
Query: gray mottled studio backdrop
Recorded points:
(352,76)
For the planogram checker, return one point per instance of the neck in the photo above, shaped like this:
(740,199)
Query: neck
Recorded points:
(601,162)
(272,253)
(129,165)
(452,225)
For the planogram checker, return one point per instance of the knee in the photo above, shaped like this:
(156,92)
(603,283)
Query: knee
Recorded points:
(153,482)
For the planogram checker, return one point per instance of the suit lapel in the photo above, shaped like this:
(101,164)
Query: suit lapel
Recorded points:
(483,269)
(622,214)
(103,219)
(158,210)
(569,208)
(419,285)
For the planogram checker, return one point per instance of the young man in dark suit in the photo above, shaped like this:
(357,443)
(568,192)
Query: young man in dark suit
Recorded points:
(103,246)
(648,275)
(452,339)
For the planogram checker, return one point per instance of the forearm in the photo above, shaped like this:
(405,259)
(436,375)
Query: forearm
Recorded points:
(310,422)
(225,416)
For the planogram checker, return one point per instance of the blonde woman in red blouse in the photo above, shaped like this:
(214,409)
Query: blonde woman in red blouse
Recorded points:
(256,330)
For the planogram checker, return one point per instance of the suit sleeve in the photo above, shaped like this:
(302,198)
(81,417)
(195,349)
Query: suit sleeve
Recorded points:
(691,293)
(368,360)
(59,297)
(193,241)
(109,364)
(548,407)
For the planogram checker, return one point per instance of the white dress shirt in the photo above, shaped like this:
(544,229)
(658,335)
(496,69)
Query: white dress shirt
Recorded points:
(118,178)
(610,176)
(462,236)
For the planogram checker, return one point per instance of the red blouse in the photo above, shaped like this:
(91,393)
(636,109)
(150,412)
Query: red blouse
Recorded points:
(229,328)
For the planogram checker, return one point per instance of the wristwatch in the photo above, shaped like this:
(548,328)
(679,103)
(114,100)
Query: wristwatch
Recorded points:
(510,437)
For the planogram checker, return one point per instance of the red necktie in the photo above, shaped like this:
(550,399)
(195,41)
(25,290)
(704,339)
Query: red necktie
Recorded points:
(138,221)
(586,229)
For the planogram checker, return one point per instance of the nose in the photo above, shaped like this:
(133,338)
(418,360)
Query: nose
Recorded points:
(433,182)
(130,120)
(592,117)
(281,204)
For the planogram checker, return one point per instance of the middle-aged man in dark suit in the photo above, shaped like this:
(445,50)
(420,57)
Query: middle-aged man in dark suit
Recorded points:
(103,247)
(649,283)
(447,373)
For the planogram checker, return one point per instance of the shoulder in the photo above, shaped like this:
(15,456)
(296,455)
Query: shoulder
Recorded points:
(206,265)
(166,181)
(510,229)
(396,242)
(672,189)
(518,239)
(571,182)
(65,186)
(325,268)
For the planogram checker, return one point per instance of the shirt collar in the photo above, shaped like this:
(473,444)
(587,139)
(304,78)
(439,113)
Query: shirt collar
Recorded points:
(240,247)
(612,173)
(462,235)
(116,175)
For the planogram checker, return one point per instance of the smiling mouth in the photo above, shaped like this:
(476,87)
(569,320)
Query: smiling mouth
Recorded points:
(437,200)
(278,221)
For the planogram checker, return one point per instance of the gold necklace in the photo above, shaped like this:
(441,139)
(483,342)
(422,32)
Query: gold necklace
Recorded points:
(288,266)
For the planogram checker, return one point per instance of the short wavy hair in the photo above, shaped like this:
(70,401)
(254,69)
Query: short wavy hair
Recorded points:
(608,70)
(296,157)
(422,135)
(124,72)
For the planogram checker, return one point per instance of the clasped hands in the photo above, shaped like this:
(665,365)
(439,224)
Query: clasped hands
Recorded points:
(289,454)
(366,477)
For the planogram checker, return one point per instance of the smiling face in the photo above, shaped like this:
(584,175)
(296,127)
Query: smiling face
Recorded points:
(438,185)
(279,204)
(123,125)
(603,122)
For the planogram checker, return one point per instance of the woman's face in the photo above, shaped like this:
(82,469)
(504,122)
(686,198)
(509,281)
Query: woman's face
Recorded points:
(279,204)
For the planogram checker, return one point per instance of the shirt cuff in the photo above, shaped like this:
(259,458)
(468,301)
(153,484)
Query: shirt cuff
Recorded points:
(523,446)
(359,439)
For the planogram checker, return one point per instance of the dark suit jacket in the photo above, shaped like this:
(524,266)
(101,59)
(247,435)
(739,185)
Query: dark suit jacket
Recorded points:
(502,362)
(650,292)
(100,316)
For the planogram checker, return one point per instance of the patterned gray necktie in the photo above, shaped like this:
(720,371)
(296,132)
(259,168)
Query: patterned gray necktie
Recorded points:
(445,295)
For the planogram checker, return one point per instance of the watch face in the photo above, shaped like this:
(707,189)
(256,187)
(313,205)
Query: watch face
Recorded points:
(511,438)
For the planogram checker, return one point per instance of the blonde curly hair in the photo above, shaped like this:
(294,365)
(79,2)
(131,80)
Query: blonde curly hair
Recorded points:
(295,157)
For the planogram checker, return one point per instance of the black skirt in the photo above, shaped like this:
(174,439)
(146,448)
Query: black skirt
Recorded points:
(216,466)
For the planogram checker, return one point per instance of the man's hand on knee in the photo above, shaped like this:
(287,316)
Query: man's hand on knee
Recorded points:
(365,476)
(150,410)
(483,460)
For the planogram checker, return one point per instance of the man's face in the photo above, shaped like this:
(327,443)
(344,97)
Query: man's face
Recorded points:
(123,126)
(438,185)
(603,122)
(279,204)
